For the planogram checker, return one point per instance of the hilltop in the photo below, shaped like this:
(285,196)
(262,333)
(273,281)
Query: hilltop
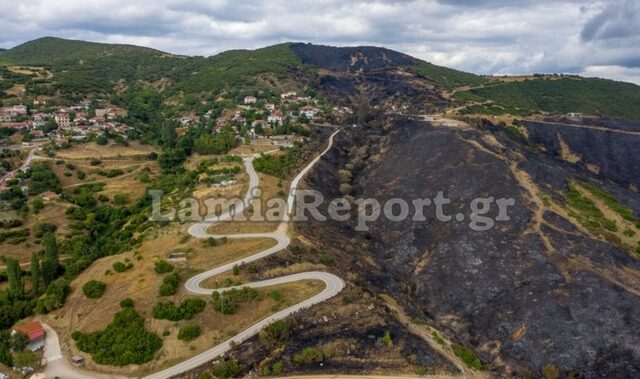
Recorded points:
(83,68)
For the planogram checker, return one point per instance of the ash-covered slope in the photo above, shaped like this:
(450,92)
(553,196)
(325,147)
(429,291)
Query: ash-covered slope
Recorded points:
(379,76)
(533,291)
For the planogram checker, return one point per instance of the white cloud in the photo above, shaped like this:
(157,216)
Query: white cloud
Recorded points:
(488,36)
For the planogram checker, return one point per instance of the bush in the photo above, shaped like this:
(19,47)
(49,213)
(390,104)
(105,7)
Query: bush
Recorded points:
(275,333)
(95,162)
(121,267)
(124,341)
(170,284)
(163,267)
(468,357)
(167,310)
(227,303)
(226,369)
(326,259)
(308,355)
(126,303)
(94,289)
(189,332)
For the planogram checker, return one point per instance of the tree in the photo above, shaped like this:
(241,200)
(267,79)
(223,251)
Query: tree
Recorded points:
(19,341)
(36,274)
(51,264)
(25,358)
(14,276)
(93,289)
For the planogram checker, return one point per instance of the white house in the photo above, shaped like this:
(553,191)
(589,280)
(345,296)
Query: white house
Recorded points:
(275,118)
(250,100)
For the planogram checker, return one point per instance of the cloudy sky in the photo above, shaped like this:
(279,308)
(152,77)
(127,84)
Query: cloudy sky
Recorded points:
(593,37)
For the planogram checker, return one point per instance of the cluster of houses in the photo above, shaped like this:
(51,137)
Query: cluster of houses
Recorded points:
(271,115)
(75,121)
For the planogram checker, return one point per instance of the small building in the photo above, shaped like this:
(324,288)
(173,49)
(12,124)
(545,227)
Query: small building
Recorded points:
(288,95)
(35,332)
(50,196)
(250,100)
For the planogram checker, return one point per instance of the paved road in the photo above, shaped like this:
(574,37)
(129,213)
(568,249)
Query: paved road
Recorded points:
(58,366)
(333,284)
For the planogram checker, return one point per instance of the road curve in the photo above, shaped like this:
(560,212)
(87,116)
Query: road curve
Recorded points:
(333,284)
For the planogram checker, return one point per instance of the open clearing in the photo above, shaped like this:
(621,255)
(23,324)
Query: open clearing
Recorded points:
(92,150)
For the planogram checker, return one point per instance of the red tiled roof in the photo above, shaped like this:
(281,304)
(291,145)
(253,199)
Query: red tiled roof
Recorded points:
(33,330)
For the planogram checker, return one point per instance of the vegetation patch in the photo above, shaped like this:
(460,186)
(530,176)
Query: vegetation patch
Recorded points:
(94,289)
(124,341)
(227,302)
(167,310)
(170,284)
(468,357)
(189,332)
(278,165)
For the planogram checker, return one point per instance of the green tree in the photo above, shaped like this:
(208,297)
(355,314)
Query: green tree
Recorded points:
(36,274)
(25,358)
(51,264)
(14,276)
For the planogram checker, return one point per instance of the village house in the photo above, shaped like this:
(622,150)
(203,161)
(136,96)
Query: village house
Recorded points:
(288,95)
(62,119)
(275,118)
(270,107)
(36,335)
(309,111)
(250,100)
(222,121)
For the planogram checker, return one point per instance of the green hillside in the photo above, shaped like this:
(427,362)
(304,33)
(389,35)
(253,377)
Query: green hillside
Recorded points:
(562,95)
(238,68)
(449,78)
(84,67)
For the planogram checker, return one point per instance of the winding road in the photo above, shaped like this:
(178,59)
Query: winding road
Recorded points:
(333,284)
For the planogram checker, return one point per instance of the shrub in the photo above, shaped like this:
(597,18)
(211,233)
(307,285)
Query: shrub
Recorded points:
(121,267)
(189,332)
(95,162)
(94,289)
(227,303)
(308,355)
(326,259)
(226,369)
(163,267)
(275,333)
(468,357)
(387,339)
(126,303)
(167,310)
(170,284)
(276,295)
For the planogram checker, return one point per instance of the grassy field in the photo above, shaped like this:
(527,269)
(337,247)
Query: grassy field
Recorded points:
(92,150)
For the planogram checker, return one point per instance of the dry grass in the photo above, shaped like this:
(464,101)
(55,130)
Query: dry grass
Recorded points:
(92,150)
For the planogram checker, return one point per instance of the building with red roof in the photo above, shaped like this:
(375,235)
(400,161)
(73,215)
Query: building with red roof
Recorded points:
(35,333)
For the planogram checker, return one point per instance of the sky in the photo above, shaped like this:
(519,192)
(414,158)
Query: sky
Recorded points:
(591,38)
